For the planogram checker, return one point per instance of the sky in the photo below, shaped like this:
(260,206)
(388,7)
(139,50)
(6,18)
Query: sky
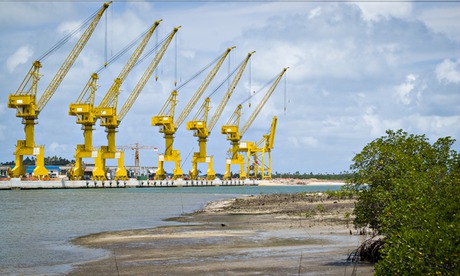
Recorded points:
(356,69)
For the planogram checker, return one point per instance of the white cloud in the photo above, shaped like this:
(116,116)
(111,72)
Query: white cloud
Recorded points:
(33,14)
(448,71)
(443,20)
(68,27)
(57,148)
(375,11)
(435,125)
(409,91)
(310,141)
(314,13)
(21,56)
(378,123)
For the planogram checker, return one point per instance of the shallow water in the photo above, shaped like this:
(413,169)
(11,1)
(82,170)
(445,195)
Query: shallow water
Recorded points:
(37,225)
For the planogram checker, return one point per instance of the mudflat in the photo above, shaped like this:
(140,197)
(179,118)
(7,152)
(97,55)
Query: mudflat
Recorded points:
(280,234)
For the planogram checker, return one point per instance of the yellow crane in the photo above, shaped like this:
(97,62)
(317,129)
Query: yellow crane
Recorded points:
(165,120)
(202,130)
(85,111)
(258,152)
(234,134)
(24,100)
(107,112)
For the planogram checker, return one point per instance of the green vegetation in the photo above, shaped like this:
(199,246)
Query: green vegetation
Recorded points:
(409,192)
(53,160)
(343,193)
(320,208)
(27,161)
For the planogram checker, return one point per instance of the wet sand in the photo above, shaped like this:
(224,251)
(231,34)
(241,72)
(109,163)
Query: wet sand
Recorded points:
(288,234)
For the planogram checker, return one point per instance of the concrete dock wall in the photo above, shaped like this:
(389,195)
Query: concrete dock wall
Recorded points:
(14,184)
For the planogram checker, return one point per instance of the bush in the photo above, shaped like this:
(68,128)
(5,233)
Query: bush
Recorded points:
(409,192)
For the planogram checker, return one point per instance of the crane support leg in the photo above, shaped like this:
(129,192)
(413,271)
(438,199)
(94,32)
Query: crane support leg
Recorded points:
(160,173)
(269,168)
(40,171)
(22,149)
(194,171)
(77,172)
(200,157)
(211,174)
(177,172)
(99,172)
(238,161)
(170,155)
(19,169)
(242,169)
(121,173)
(228,173)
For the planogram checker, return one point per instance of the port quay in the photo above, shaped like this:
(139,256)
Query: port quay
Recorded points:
(18,184)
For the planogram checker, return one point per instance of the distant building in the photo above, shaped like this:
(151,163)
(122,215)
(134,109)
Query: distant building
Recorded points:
(53,171)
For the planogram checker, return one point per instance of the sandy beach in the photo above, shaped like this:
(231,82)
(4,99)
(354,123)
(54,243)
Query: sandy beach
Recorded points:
(287,234)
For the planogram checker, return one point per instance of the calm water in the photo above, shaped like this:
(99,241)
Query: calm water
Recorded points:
(36,226)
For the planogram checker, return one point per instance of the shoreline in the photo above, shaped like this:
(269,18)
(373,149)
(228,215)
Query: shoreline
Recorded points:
(264,234)
(301,182)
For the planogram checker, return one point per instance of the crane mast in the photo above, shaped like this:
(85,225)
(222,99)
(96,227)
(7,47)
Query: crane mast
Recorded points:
(111,120)
(165,120)
(234,135)
(202,129)
(24,101)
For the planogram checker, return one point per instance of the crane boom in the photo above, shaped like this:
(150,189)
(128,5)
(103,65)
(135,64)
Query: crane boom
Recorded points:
(89,91)
(188,108)
(145,77)
(262,103)
(228,94)
(110,99)
(65,67)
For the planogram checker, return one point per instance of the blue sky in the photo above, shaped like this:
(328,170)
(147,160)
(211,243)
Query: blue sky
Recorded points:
(356,70)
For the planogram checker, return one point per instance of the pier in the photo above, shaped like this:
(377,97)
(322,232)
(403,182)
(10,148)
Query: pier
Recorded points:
(18,184)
